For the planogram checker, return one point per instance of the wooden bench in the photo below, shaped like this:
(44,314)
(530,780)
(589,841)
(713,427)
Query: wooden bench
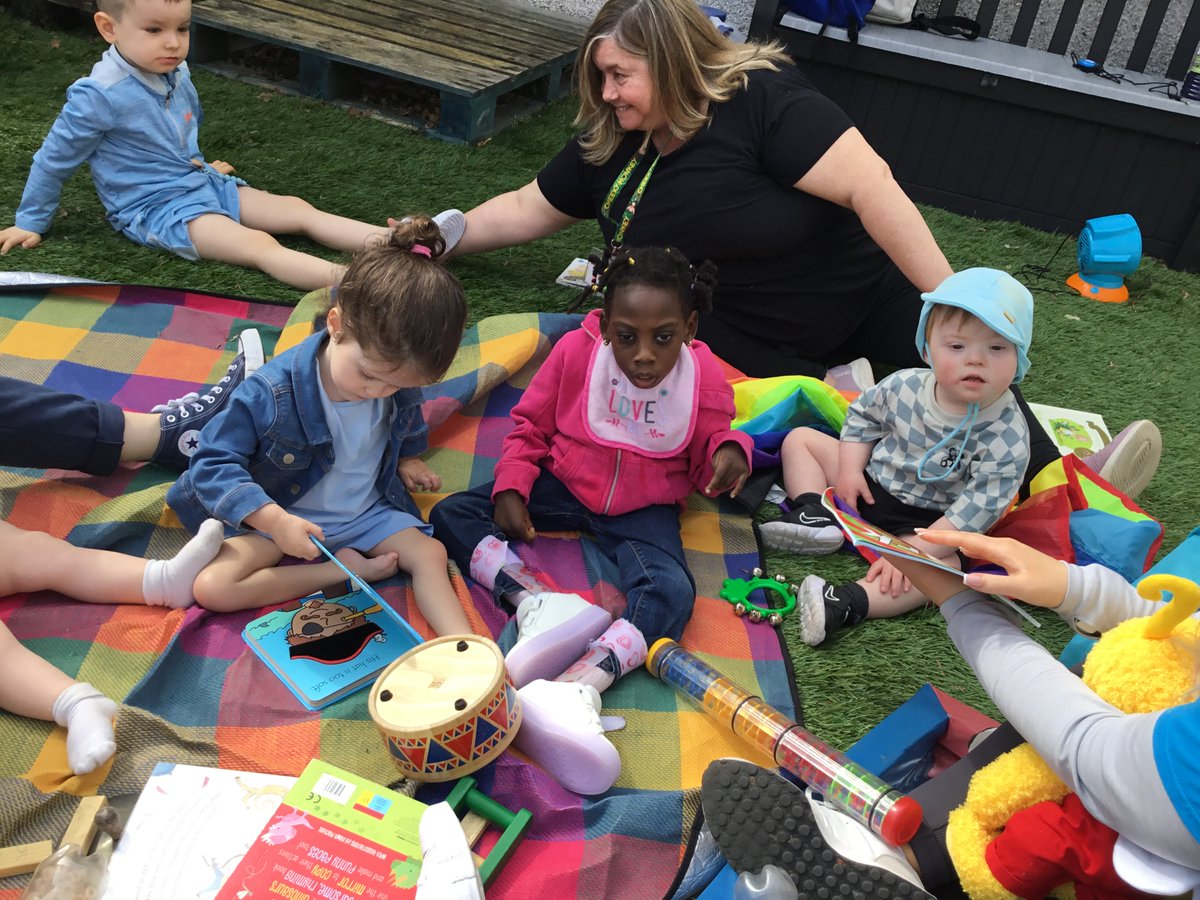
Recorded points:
(472,52)
(1006,127)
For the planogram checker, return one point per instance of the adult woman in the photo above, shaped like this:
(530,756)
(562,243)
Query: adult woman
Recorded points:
(728,152)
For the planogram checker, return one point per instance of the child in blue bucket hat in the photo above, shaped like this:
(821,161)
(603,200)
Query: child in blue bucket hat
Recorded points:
(944,447)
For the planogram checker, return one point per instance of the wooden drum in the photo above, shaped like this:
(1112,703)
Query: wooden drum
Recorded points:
(446,707)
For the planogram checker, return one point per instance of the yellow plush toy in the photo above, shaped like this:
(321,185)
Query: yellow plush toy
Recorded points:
(1142,665)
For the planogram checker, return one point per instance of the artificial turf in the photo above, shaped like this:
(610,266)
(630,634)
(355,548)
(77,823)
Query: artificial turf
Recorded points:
(1126,362)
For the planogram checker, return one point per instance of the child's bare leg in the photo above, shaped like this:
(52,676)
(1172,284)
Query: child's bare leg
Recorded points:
(885,604)
(810,461)
(810,465)
(424,558)
(246,574)
(31,686)
(277,214)
(219,237)
(36,561)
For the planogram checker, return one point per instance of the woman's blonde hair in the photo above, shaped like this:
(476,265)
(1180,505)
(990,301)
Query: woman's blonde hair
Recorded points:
(692,66)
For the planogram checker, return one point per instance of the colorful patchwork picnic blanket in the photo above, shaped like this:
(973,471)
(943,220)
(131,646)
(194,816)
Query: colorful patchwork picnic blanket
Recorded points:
(194,693)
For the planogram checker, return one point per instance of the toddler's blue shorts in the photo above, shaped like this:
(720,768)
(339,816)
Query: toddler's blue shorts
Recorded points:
(164,225)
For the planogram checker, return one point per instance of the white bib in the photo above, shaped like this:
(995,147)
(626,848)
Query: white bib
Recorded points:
(657,421)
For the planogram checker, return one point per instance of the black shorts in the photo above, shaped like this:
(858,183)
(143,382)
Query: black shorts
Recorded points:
(892,515)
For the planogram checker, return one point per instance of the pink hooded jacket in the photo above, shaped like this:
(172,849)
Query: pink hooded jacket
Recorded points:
(549,430)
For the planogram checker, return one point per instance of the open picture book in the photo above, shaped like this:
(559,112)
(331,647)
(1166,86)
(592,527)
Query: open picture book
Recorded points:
(862,533)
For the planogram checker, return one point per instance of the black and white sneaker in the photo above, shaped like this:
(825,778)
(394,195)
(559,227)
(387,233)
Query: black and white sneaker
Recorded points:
(181,419)
(758,818)
(824,609)
(808,528)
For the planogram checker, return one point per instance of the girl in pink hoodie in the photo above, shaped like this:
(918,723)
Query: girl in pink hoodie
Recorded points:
(627,416)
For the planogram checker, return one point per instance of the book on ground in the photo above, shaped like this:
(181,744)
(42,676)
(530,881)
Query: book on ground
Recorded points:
(1073,430)
(335,835)
(324,650)
(190,827)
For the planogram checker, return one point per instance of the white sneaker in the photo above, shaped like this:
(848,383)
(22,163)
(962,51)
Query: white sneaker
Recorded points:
(561,731)
(553,630)
(1130,459)
(854,841)
(854,377)
(447,869)
(453,225)
(758,818)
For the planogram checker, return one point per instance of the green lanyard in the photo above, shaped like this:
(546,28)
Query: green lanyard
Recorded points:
(618,185)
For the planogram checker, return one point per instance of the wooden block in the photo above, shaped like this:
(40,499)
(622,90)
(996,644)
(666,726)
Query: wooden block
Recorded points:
(474,825)
(23,858)
(83,824)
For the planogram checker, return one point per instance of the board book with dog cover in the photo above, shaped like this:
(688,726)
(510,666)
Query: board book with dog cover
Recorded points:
(325,649)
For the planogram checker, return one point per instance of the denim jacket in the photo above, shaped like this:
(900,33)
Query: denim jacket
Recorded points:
(271,444)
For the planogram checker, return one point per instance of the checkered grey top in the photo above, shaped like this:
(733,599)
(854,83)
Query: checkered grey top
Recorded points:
(902,417)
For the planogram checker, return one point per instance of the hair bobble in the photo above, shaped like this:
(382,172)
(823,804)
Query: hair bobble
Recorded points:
(421,250)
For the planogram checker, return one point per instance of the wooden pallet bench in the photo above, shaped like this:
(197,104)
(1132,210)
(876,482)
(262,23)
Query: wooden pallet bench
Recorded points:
(1006,127)
(489,61)
(472,52)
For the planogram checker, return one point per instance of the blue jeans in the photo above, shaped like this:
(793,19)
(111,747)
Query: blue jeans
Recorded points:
(645,545)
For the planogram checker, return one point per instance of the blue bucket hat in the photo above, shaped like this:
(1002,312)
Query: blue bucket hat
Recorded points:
(997,299)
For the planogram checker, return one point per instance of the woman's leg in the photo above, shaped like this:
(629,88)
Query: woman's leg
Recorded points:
(43,428)
(424,558)
(246,574)
(751,354)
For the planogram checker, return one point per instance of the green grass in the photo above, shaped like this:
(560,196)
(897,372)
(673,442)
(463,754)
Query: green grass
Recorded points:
(1128,362)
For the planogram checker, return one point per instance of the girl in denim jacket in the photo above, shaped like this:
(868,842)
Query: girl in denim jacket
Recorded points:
(323,441)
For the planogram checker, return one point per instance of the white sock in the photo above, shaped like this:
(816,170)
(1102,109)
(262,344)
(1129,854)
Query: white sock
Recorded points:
(168,582)
(87,715)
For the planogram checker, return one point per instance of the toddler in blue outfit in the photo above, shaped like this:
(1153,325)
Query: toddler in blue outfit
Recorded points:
(324,439)
(135,121)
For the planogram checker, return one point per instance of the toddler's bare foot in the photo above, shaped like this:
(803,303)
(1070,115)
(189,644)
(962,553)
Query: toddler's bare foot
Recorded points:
(369,569)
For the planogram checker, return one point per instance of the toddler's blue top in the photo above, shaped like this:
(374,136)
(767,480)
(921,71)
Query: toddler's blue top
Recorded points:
(137,131)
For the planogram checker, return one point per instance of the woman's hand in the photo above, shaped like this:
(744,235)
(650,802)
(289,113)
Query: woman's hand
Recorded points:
(730,470)
(891,580)
(512,516)
(1032,575)
(417,476)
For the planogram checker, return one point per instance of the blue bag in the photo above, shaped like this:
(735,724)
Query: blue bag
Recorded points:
(848,14)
